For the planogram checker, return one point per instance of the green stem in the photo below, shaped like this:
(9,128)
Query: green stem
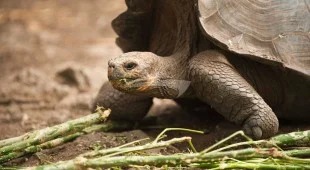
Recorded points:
(109,150)
(175,129)
(225,140)
(262,166)
(82,162)
(266,155)
(192,159)
(46,134)
(10,141)
(36,148)
(61,140)
(249,158)
(298,153)
(147,146)
(292,139)
(247,165)
(121,161)
(263,143)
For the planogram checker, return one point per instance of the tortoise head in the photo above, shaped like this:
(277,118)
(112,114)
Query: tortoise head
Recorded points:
(144,73)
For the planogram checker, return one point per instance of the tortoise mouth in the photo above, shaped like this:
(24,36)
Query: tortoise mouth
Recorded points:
(126,83)
(126,80)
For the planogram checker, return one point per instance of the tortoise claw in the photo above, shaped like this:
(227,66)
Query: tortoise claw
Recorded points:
(261,125)
(255,132)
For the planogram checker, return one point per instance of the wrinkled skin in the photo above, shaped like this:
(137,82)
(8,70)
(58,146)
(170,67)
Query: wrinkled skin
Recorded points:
(151,77)
(245,92)
(127,75)
(216,81)
(138,74)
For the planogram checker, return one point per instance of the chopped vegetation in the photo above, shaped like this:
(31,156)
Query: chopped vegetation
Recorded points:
(285,151)
(56,135)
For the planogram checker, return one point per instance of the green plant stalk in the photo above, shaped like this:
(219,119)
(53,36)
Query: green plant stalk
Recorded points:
(298,153)
(225,140)
(107,126)
(215,159)
(183,159)
(249,165)
(154,144)
(149,146)
(261,166)
(82,162)
(62,140)
(175,129)
(186,159)
(10,141)
(8,168)
(301,138)
(121,161)
(50,133)
(250,153)
(104,152)
(37,148)
(172,160)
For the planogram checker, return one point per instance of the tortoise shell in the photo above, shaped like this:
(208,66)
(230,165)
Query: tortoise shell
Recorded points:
(268,31)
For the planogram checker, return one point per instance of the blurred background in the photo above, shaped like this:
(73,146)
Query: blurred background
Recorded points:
(53,59)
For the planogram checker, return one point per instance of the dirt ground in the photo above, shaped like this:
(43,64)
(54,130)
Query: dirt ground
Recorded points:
(53,59)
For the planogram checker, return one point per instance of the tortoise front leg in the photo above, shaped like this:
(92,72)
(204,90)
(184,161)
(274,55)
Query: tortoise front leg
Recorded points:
(123,106)
(217,83)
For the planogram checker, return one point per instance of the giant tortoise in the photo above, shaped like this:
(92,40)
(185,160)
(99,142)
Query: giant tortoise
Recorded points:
(249,60)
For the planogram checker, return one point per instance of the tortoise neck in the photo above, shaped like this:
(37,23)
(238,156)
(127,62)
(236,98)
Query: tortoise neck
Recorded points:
(175,66)
(186,29)
(172,80)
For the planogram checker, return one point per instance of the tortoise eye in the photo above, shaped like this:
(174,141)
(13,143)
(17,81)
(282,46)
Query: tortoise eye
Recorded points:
(130,65)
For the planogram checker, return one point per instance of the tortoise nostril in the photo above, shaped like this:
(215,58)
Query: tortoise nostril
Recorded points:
(130,65)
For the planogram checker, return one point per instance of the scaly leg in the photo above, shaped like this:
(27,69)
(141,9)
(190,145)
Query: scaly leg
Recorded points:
(218,83)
